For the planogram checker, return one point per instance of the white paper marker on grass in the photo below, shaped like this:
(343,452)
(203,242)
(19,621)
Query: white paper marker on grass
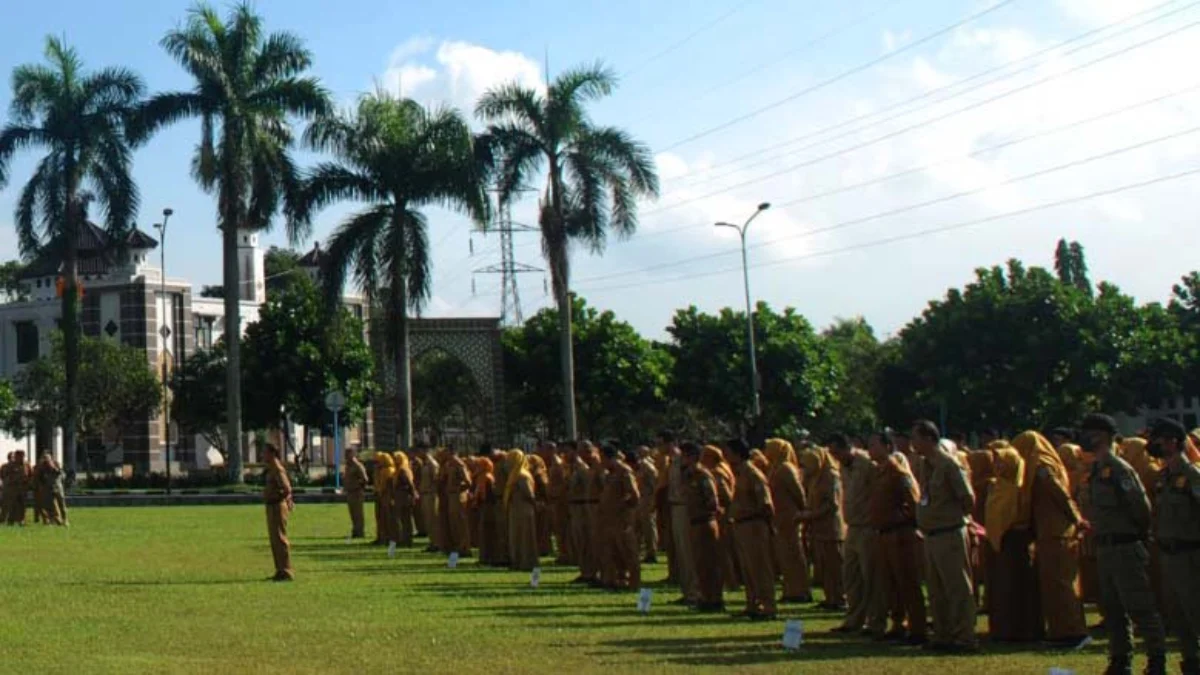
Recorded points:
(1061,671)
(535,577)
(644,597)
(391,549)
(793,634)
(452,563)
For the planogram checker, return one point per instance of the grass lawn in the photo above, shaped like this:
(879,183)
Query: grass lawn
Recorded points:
(183,590)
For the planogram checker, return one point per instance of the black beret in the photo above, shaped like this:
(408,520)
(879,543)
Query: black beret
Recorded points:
(1168,428)
(1099,422)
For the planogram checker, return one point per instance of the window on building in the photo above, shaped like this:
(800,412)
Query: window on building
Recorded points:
(27,341)
(357,311)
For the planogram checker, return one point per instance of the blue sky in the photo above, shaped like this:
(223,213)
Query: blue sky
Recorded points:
(688,67)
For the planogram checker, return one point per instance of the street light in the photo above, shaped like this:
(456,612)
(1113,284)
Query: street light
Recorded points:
(162,241)
(756,409)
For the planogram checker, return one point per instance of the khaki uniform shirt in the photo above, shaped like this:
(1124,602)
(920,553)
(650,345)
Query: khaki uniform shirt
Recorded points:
(427,479)
(1179,504)
(1117,499)
(751,496)
(858,478)
(356,477)
(946,496)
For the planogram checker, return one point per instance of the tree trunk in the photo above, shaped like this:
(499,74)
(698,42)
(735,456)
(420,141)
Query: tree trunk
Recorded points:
(233,346)
(70,328)
(566,350)
(404,413)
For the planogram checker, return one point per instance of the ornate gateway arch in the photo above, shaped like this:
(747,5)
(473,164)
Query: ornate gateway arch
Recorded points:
(475,342)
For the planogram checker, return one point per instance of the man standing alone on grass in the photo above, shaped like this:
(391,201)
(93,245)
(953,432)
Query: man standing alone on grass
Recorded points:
(942,513)
(278,496)
(356,492)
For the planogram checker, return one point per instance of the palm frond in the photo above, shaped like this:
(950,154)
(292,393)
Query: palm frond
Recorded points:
(618,148)
(15,138)
(302,97)
(418,261)
(165,109)
(35,88)
(352,248)
(513,103)
(282,55)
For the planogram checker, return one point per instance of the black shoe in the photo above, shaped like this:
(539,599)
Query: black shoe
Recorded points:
(916,641)
(841,629)
(796,599)
(1119,665)
(710,607)
(936,647)
(761,616)
(682,601)
(867,632)
(892,636)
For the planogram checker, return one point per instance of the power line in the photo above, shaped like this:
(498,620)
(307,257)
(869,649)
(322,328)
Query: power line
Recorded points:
(915,235)
(839,77)
(691,180)
(915,206)
(904,130)
(834,32)
(689,37)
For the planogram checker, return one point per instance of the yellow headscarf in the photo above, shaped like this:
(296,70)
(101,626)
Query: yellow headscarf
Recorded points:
(758,459)
(402,466)
(384,471)
(1004,504)
(779,452)
(1133,450)
(484,479)
(515,461)
(1191,446)
(713,459)
(814,463)
(1037,452)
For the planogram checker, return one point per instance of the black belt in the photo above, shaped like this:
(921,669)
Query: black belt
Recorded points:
(750,519)
(703,521)
(1177,546)
(942,530)
(897,526)
(1116,539)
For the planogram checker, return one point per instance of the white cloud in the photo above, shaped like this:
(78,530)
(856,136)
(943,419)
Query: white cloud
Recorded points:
(456,73)
(1104,11)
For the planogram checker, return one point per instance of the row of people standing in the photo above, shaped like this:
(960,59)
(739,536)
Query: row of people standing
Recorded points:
(44,480)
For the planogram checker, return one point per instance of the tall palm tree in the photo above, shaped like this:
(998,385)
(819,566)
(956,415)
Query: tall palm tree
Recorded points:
(397,158)
(594,176)
(78,119)
(247,86)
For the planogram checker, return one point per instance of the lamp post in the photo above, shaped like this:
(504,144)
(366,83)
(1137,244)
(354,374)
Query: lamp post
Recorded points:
(165,333)
(755,405)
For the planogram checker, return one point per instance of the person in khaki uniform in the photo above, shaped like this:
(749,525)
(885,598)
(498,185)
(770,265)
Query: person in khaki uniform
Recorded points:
(1014,612)
(618,521)
(540,468)
(277,494)
(56,493)
(703,511)
(685,565)
(355,488)
(1178,533)
(427,489)
(1120,519)
(385,524)
(866,611)
(753,513)
(577,502)
(942,514)
(404,495)
(558,505)
(16,484)
(787,494)
(662,508)
(892,509)
(1056,522)
(647,525)
(597,472)
(519,501)
(483,500)
(458,492)
(714,460)
(1135,453)
(823,523)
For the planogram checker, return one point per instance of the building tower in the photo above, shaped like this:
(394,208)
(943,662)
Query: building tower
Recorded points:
(509,268)
(252,285)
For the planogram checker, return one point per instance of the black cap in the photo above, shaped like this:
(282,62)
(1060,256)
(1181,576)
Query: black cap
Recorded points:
(630,456)
(1168,428)
(690,449)
(739,447)
(485,450)
(609,451)
(1099,422)
(1065,432)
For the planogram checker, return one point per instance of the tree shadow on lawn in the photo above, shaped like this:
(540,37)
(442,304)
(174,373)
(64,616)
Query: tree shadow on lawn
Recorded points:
(165,582)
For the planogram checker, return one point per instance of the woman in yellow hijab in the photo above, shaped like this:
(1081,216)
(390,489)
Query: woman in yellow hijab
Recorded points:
(713,459)
(519,500)
(541,486)
(385,471)
(1053,514)
(404,492)
(824,523)
(483,500)
(788,497)
(1013,614)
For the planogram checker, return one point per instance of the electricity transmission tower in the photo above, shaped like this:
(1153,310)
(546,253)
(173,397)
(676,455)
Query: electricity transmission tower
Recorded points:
(509,268)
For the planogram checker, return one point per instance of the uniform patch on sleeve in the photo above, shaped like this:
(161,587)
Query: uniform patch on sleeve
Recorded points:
(907,482)
(1106,473)
(1127,484)
(1181,482)
(1043,472)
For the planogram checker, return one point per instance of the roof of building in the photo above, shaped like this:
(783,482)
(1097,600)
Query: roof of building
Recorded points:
(313,258)
(96,254)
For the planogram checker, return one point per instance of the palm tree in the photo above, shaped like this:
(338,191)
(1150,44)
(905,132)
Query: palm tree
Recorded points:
(397,158)
(594,176)
(247,86)
(78,118)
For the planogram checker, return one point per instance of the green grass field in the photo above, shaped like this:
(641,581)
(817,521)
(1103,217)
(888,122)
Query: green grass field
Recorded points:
(183,590)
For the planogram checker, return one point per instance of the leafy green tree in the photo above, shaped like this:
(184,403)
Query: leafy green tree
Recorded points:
(198,396)
(10,281)
(594,176)
(1071,266)
(1185,307)
(622,376)
(249,86)
(279,267)
(798,374)
(78,118)
(296,353)
(445,393)
(398,159)
(118,389)
(859,357)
